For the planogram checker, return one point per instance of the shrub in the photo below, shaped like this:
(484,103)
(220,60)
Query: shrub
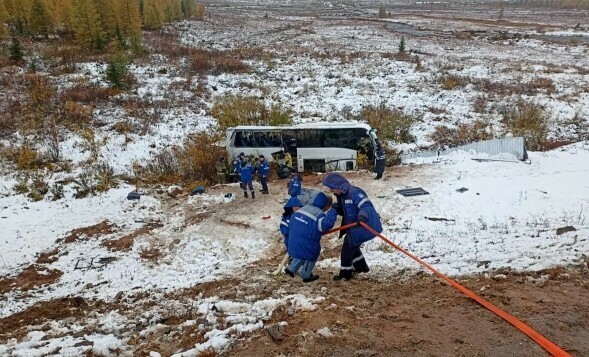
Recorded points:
(530,121)
(33,185)
(194,161)
(391,123)
(56,191)
(450,82)
(402,45)
(93,179)
(233,110)
(444,136)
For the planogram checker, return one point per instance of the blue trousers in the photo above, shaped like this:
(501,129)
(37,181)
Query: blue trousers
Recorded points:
(264,182)
(306,267)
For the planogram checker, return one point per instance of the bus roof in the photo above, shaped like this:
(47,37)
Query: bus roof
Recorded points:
(315,125)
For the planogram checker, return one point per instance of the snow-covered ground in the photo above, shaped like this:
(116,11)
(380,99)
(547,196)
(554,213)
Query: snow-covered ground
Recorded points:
(506,219)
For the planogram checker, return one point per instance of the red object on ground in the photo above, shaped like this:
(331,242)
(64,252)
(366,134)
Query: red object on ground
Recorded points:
(266,217)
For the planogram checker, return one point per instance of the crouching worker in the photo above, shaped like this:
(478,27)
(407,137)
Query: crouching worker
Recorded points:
(291,206)
(353,206)
(305,230)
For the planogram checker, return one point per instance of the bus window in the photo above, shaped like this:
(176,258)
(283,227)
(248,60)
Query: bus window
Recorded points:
(310,138)
(342,138)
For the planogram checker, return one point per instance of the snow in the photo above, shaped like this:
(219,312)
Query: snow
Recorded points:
(506,219)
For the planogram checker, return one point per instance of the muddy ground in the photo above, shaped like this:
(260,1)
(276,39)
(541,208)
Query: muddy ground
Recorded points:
(382,313)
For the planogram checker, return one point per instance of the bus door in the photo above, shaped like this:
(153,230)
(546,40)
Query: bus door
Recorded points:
(289,141)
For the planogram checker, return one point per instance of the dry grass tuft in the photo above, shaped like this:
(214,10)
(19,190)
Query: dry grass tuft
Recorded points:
(444,136)
(530,121)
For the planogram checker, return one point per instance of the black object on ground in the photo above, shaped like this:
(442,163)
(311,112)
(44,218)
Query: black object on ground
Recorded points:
(462,190)
(133,196)
(408,192)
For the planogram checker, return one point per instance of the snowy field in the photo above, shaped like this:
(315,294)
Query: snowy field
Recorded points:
(507,219)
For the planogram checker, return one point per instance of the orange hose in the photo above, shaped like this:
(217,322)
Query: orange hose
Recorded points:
(533,334)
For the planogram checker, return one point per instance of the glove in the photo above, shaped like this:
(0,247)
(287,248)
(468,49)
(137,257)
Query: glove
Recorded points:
(338,208)
(362,219)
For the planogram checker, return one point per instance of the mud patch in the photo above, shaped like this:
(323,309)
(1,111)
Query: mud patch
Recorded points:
(104,227)
(17,325)
(126,242)
(48,257)
(33,276)
(152,254)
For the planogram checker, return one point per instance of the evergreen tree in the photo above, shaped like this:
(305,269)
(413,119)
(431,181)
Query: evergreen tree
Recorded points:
(402,45)
(154,15)
(16,53)
(117,71)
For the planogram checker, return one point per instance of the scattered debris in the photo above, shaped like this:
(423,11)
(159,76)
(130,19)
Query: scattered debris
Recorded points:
(563,230)
(198,190)
(133,196)
(462,189)
(440,219)
(266,217)
(174,191)
(408,192)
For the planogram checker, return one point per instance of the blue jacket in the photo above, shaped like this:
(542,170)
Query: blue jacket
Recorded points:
(285,221)
(354,203)
(246,170)
(264,168)
(306,228)
(295,185)
(380,161)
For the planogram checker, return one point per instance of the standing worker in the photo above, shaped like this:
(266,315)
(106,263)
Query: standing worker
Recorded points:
(354,206)
(246,172)
(381,159)
(264,171)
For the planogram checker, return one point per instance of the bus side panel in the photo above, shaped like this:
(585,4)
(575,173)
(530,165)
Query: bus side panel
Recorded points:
(335,159)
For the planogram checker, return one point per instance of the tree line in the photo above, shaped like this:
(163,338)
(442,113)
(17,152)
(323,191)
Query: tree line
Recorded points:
(93,24)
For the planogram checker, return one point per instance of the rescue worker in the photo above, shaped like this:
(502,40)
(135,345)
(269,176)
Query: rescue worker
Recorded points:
(305,231)
(263,171)
(295,184)
(379,165)
(354,206)
(246,172)
(291,206)
(236,165)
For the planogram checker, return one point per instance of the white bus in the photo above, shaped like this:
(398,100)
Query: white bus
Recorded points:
(314,147)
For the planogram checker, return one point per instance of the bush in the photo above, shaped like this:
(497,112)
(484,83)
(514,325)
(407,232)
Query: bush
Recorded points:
(444,136)
(450,82)
(391,123)
(93,179)
(530,121)
(233,110)
(33,185)
(194,161)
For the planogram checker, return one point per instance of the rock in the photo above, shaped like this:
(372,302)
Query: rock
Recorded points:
(365,353)
(325,332)
(276,331)
(563,230)
(174,191)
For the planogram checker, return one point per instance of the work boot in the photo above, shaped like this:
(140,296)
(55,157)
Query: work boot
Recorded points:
(361,266)
(253,195)
(245,194)
(265,192)
(343,275)
(311,278)
(288,272)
